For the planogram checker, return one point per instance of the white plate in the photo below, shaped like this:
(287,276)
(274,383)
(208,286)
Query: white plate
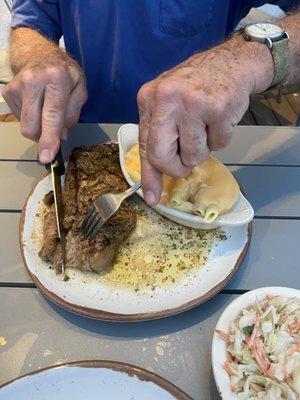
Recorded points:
(241,213)
(219,346)
(87,294)
(90,380)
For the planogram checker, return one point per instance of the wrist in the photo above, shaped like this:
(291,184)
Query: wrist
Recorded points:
(262,67)
(258,64)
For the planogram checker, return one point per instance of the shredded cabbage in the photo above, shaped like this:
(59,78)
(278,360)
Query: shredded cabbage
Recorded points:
(265,350)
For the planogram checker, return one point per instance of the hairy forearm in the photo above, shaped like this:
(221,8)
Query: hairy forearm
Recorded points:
(29,46)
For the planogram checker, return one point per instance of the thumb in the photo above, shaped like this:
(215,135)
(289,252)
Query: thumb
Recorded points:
(48,147)
(151,177)
(151,182)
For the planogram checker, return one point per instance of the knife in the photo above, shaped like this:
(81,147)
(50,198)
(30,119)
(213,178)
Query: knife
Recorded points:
(57,169)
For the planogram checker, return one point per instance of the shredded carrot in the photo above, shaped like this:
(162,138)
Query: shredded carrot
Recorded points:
(294,347)
(229,369)
(260,356)
(224,335)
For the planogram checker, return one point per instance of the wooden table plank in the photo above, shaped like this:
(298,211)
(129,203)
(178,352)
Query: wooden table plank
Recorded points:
(262,145)
(263,266)
(294,100)
(11,264)
(16,179)
(267,145)
(40,334)
(285,114)
(262,113)
(272,191)
(14,146)
(248,118)
(272,258)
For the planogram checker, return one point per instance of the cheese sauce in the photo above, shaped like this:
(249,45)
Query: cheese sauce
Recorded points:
(210,186)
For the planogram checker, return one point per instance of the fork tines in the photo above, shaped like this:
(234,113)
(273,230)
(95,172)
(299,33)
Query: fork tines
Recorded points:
(91,223)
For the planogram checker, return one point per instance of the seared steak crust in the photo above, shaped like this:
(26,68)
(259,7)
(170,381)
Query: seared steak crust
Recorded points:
(91,172)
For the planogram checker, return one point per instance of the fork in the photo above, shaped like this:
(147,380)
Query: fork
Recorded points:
(103,208)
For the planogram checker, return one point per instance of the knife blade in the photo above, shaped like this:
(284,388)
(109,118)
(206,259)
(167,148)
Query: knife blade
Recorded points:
(57,169)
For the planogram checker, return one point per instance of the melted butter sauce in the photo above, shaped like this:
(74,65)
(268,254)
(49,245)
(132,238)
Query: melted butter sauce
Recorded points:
(159,252)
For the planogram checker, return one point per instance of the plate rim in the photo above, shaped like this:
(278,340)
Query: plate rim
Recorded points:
(118,317)
(130,369)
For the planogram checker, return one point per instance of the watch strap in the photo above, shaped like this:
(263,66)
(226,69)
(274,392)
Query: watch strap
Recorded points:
(280,54)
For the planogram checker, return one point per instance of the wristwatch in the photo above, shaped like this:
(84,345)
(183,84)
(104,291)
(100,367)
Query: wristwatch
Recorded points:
(275,37)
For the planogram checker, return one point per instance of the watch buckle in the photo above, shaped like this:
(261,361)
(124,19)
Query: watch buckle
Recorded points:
(269,42)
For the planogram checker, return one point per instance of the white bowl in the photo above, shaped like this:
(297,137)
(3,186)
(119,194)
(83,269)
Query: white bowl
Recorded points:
(240,214)
(219,346)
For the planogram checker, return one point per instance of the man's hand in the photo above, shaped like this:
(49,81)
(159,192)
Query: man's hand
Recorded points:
(46,96)
(190,110)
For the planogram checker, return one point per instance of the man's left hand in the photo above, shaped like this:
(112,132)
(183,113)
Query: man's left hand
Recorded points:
(191,109)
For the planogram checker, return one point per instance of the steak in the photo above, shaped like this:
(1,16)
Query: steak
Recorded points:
(91,172)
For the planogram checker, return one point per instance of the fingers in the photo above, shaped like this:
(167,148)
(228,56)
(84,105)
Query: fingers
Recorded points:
(47,98)
(151,178)
(163,149)
(221,118)
(219,135)
(9,94)
(77,98)
(53,118)
(31,115)
(193,142)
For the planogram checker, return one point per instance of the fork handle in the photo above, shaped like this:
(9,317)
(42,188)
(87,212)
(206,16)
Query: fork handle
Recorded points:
(132,190)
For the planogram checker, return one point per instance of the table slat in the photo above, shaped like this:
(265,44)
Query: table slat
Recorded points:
(16,179)
(283,110)
(262,145)
(40,334)
(272,191)
(272,259)
(15,146)
(294,100)
(263,114)
(250,144)
(11,264)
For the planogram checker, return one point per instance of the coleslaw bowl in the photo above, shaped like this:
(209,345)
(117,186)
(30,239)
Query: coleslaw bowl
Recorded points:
(219,346)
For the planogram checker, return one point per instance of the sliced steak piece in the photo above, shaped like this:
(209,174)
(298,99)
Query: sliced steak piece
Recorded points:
(90,173)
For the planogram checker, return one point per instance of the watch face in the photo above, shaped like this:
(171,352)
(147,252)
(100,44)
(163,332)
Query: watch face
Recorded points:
(264,29)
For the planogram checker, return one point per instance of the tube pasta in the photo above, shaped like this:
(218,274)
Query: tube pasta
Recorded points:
(180,191)
(199,208)
(184,206)
(210,190)
(211,213)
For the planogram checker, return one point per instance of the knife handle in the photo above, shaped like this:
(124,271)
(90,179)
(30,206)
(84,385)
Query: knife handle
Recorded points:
(59,163)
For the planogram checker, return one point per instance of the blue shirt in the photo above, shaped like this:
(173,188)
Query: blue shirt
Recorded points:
(122,44)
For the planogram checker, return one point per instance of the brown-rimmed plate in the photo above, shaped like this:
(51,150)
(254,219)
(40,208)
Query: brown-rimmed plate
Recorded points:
(90,380)
(91,295)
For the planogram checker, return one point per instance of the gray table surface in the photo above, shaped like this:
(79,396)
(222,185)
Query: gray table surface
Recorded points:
(265,160)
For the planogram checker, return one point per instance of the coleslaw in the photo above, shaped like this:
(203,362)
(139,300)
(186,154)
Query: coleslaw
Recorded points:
(264,350)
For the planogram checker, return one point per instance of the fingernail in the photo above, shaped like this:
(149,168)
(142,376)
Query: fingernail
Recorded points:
(150,198)
(64,134)
(45,156)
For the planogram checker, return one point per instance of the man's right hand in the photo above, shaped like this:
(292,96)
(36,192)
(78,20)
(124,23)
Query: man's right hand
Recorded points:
(47,96)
